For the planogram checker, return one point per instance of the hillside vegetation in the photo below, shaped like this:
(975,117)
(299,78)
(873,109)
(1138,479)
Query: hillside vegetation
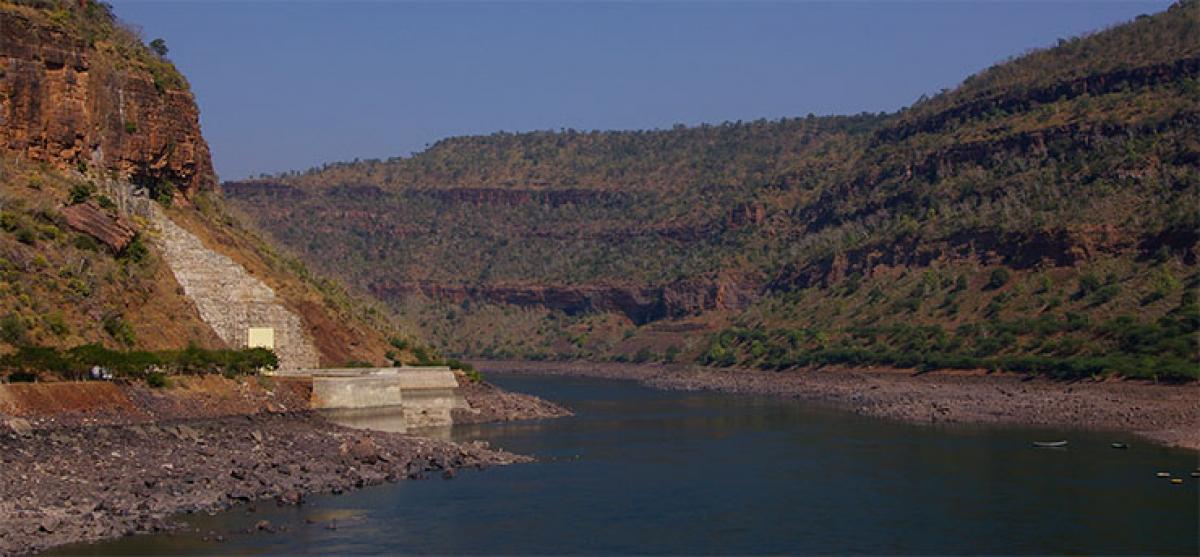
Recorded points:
(97,129)
(1040,217)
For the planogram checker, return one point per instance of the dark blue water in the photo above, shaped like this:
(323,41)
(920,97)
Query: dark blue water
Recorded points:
(642,471)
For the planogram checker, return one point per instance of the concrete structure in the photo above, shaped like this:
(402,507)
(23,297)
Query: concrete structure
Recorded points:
(240,308)
(409,397)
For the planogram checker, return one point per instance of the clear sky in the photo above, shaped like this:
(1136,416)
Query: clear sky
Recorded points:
(290,85)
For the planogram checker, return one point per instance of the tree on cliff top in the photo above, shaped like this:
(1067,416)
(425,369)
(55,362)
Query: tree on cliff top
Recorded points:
(159,47)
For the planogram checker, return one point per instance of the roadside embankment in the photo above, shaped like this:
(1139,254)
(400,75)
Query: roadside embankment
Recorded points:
(1166,413)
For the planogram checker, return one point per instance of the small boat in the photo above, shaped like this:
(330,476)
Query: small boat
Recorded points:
(1176,480)
(1120,445)
(1162,475)
(1196,474)
(1049,444)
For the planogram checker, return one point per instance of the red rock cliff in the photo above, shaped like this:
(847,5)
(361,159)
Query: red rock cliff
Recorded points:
(77,89)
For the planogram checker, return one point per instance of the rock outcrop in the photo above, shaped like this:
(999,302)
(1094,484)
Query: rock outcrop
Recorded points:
(641,304)
(75,101)
(89,218)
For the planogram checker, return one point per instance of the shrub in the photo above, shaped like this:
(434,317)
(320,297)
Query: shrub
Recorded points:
(1045,284)
(163,192)
(80,193)
(643,355)
(719,355)
(85,242)
(13,329)
(56,324)
(76,362)
(119,329)
(1088,283)
(1105,294)
(998,278)
(1077,321)
(960,283)
(34,359)
(156,379)
(136,250)
(875,295)
(26,236)
(467,369)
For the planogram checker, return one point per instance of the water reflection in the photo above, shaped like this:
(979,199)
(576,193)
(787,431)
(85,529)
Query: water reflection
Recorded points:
(391,420)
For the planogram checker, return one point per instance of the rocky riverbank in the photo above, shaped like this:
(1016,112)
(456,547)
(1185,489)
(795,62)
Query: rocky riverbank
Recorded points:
(1169,414)
(490,403)
(77,484)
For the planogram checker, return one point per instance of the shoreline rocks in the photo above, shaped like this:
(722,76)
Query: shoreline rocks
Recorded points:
(489,403)
(80,484)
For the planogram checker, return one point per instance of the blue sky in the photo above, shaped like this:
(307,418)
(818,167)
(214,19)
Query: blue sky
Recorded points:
(290,85)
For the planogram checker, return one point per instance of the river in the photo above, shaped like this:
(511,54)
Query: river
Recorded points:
(641,471)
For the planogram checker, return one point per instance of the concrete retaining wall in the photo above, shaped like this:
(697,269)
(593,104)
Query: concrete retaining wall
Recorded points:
(330,393)
(229,299)
(414,396)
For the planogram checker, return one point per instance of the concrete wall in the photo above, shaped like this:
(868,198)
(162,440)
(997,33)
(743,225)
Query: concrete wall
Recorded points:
(431,407)
(420,396)
(229,299)
(332,393)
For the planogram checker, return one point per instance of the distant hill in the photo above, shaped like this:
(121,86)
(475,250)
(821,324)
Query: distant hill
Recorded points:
(1040,217)
(109,217)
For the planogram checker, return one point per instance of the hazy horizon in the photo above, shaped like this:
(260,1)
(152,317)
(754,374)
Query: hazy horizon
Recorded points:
(289,86)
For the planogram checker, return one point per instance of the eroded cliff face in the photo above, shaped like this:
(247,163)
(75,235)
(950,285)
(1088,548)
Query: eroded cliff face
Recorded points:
(76,101)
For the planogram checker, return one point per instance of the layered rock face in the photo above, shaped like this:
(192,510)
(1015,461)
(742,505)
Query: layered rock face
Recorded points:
(89,218)
(232,301)
(640,304)
(67,102)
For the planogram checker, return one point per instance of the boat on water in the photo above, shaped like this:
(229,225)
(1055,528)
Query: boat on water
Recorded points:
(1120,445)
(1049,444)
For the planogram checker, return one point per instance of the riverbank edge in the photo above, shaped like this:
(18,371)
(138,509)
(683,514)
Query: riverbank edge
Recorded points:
(1168,414)
(87,484)
(126,459)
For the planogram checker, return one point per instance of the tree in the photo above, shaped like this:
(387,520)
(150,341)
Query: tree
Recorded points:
(159,47)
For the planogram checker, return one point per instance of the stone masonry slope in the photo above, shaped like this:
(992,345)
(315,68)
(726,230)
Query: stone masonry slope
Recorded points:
(229,299)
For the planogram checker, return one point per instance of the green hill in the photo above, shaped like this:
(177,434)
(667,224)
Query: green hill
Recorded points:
(1040,217)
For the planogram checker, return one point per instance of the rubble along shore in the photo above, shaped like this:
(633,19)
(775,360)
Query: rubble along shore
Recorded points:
(80,484)
(89,461)
(1165,413)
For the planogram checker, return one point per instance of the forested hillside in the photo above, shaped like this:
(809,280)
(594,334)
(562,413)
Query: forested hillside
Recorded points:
(1040,217)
